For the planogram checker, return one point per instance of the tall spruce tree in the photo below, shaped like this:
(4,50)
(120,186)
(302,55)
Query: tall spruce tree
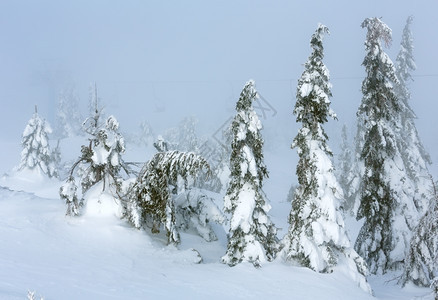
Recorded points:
(252,235)
(385,192)
(415,157)
(36,153)
(317,237)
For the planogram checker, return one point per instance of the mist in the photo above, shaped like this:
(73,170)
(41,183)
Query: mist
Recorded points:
(160,61)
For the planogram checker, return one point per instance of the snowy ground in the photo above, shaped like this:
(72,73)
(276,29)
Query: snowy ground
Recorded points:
(101,257)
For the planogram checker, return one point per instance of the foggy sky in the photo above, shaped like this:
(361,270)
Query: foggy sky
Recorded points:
(163,60)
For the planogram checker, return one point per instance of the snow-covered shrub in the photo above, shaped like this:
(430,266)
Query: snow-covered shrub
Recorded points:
(100,164)
(162,196)
(36,154)
(68,193)
(194,209)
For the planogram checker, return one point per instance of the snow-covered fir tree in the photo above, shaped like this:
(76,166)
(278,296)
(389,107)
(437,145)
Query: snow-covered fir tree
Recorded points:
(317,238)
(344,168)
(415,157)
(196,210)
(36,154)
(421,263)
(252,236)
(385,192)
(163,196)
(68,117)
(99,166)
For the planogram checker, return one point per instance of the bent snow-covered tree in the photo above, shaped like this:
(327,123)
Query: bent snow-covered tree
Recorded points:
(415,157)
(385,192)
(317,238)
(36,154)
(421,263)
(162,196)
(252,235)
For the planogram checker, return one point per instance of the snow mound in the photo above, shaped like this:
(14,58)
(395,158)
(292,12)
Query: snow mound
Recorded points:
(102,203)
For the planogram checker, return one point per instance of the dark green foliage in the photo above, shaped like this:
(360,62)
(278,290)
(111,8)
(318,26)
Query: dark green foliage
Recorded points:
(151,198)
(316,238)
(252,235)
(379,111)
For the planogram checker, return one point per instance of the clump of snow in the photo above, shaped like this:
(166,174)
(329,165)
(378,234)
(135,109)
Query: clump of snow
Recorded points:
(100,202)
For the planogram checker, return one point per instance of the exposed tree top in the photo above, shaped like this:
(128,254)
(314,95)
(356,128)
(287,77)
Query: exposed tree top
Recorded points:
(377,31)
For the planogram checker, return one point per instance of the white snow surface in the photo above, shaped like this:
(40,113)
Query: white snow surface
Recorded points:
(100,256)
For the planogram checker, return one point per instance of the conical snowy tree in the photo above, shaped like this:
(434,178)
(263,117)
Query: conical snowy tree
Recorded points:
(385,192)
(252,236)
(421,263)
(343,170)
(415,157)
(36,154)
(317,238)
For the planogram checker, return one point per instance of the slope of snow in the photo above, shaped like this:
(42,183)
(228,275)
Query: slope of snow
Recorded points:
(101,257)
